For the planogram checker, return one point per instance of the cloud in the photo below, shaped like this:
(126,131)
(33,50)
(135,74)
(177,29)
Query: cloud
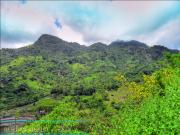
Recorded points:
(21,24)
(87,22)
(120,20)
(13,33)
(167,35)
(157,18)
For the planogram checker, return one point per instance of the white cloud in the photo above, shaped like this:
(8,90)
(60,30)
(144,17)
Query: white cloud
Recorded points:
(90,21)
(14,45)
(167,35)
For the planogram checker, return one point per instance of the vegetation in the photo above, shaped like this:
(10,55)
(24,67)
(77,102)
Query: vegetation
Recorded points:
(119,89)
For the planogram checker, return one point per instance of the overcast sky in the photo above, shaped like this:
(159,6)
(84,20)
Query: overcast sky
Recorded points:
(151,22)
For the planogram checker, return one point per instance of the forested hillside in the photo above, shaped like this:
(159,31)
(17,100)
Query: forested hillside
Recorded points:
(124,87)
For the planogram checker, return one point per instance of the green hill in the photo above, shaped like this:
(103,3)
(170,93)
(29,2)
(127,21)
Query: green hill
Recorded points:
(115,88)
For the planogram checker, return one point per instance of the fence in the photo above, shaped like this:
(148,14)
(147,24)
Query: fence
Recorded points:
(10,124)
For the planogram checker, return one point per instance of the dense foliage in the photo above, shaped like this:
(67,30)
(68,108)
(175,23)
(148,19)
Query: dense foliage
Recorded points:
(53,66)
(123,88)
(151,107)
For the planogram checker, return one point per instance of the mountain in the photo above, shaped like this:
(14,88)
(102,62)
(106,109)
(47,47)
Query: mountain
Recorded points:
(96,89)
(50,44)
(55,44)
(54,65)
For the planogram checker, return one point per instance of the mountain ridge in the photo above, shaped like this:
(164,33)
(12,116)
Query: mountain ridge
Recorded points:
(46,39)
(52,46)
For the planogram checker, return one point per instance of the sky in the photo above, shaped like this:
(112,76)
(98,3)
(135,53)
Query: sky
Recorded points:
(87,22)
